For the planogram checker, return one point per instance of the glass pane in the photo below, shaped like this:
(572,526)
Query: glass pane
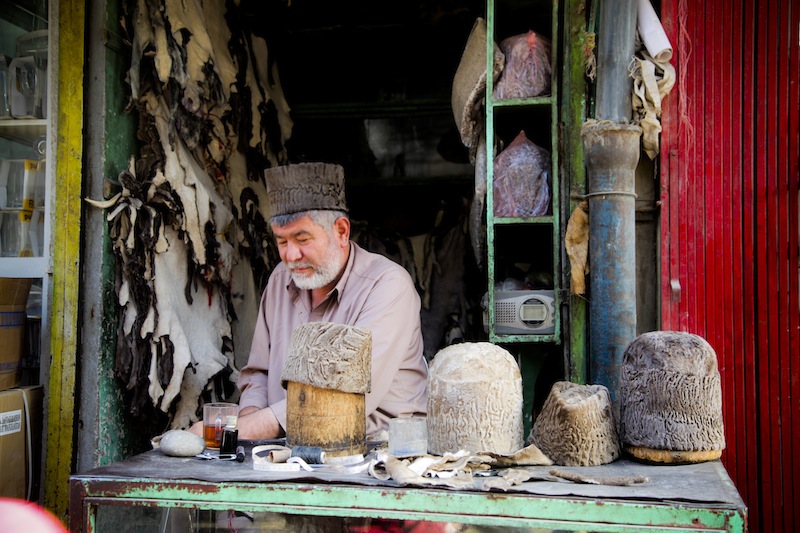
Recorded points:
(118,519)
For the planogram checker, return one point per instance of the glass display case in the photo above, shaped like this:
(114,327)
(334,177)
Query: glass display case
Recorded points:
(24,170)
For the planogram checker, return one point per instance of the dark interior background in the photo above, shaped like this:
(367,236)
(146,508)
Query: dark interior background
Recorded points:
(369,86)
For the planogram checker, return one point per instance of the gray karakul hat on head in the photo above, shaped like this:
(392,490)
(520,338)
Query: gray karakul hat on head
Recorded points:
(304,187)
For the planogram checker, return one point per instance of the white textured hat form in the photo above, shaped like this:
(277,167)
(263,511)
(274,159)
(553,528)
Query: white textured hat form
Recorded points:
(474,400)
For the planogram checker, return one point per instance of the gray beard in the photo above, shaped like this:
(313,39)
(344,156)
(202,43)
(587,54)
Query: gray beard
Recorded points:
(323,274)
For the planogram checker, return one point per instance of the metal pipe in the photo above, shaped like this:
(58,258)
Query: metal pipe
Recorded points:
(612,152)
(615,48)
(611,148)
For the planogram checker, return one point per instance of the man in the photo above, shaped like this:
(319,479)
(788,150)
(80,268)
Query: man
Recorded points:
(323,277)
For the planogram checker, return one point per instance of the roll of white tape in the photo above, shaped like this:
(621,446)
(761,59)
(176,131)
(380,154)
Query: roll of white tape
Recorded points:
(262,459)
(276,467)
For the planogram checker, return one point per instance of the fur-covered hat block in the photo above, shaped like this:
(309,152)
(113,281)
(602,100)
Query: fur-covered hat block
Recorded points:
(305,187)
(671,399)
(576,426)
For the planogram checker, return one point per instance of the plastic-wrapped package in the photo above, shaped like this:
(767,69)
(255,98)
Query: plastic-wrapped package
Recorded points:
(527,71)
(522,179)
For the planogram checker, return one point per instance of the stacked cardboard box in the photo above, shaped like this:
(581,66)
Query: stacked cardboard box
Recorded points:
(13,300)
(20,442)
(20,407)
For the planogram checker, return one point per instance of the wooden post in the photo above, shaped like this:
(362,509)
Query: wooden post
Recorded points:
(326,418)
(326,375)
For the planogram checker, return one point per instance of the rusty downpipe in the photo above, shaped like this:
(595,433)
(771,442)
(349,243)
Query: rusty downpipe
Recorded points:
(611,148)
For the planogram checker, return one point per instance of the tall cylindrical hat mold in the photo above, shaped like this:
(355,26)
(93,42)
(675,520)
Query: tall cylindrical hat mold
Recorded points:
(612,153)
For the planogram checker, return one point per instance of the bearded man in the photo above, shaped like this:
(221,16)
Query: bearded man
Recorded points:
(324,277)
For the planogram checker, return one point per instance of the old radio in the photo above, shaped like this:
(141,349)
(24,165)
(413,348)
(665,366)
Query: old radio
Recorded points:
(522,312)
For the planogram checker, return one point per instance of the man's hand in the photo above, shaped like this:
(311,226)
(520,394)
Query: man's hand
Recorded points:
(255,423)
(197,428)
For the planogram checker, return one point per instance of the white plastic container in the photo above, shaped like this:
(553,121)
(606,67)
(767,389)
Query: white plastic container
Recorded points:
(12,182)
(35,44)
(5,83)
(10,234)
(23,90)
(408,436)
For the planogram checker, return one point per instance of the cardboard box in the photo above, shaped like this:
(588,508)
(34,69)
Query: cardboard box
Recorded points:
(21,442)
(13,300)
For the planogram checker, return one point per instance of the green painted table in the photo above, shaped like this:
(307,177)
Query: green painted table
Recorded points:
(139,493)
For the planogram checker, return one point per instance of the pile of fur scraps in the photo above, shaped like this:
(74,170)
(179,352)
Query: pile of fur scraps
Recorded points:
(459,470)
(189,227)
(452,470)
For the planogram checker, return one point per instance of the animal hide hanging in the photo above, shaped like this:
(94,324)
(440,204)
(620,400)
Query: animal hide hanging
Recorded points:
(189,226)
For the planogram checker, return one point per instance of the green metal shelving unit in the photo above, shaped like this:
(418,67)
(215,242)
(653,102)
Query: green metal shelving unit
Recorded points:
(552,221)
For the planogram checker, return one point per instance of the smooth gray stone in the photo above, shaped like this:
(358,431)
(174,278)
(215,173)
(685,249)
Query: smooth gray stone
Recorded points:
(181,443)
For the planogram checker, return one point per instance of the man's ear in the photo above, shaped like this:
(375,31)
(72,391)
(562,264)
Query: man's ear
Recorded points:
(341,229)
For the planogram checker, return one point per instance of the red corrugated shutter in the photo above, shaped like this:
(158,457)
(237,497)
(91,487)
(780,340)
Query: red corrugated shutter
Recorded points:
(729,230)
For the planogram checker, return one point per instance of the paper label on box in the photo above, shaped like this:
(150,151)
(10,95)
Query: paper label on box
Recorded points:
(10,422)
(9,368)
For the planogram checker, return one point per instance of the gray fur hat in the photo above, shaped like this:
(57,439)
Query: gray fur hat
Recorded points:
(304,187)
(576,426)
(671,395)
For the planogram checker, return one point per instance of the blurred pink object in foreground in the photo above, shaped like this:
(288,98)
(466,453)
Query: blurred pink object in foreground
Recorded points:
(28,517)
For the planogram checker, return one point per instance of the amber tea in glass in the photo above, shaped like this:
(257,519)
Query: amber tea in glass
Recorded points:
(217,416)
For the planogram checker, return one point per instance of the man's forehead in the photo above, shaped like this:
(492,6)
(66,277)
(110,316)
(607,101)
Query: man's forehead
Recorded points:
(302,226)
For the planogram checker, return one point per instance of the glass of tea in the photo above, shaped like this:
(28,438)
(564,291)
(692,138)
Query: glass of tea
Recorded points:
(216,417)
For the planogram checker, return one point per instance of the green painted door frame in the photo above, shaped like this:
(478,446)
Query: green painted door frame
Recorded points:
(572,115)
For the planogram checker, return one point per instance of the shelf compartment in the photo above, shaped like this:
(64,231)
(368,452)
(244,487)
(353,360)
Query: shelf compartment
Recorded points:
(524,253)
(509,246)
(523,102)
(496,338)
(508,221)
(23,131)
(23,267)
(535,121)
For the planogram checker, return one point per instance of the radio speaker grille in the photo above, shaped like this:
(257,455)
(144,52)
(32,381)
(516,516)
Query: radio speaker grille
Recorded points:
(505,312)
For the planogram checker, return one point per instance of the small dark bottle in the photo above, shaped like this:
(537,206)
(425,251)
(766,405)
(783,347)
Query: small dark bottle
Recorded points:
(230,439)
